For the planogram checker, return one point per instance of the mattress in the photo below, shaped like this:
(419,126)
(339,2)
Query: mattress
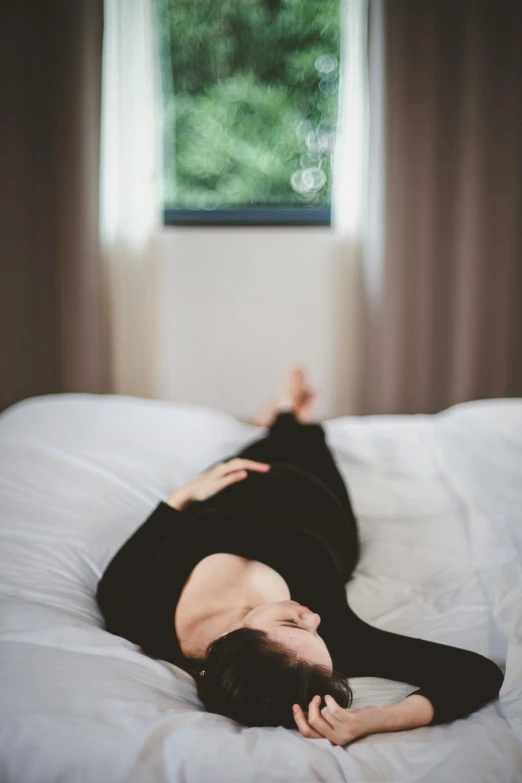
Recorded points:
(438,500)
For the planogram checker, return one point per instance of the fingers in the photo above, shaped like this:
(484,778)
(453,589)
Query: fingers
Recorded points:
(333,712)
(239,463)
(302,724)
(230,478)
(317,722)
(220,476)
(332,722)
(329,718)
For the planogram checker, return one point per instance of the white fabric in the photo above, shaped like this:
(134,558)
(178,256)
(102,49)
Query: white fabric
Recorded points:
(131,205)
(438,500)
(350,159)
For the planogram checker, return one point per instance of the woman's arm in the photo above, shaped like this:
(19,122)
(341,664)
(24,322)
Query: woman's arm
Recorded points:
(452,682)
(133,559)
(343,725)
(455,681)
(135,555)
(409,713)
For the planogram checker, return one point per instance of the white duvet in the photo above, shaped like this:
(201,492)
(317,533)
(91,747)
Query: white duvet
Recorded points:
(439,503)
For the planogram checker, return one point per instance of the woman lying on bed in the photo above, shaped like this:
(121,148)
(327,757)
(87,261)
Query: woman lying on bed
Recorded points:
(239,578)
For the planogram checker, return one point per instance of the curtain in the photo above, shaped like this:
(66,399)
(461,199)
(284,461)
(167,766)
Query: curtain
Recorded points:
(350,159)
(350,189)
(443,273)
(130,189)
(51,335)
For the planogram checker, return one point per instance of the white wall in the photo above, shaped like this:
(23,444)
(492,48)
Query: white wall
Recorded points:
(237,307)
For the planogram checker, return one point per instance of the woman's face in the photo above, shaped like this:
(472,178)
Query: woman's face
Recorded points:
(294,626)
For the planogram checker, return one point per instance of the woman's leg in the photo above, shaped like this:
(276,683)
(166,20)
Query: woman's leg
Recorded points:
(294,438)
(303,445)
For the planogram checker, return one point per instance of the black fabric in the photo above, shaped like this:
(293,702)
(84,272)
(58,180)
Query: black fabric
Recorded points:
(298,519)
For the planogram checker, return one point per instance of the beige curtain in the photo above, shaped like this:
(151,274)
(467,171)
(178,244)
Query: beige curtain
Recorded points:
(350,173)
(51,335)
(444,277)
(131,205)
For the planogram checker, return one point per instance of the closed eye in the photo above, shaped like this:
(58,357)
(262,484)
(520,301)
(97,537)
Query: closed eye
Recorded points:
(292,623)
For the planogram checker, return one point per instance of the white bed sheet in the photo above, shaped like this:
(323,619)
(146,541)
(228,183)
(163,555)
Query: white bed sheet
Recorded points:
(439,502)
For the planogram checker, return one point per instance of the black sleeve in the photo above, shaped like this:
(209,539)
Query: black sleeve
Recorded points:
(135,555)
(456,681)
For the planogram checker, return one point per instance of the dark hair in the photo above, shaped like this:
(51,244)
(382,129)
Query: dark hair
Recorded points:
(255,681)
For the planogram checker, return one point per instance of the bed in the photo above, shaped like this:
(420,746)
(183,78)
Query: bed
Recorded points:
(439,503)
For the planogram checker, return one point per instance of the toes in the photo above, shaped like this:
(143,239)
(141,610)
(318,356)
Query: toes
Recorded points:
(295,379)
(298,381)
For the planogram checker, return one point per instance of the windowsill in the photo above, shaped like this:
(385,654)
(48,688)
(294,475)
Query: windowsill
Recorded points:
(250,216)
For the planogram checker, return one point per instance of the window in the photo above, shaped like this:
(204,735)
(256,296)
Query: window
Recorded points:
(250,110)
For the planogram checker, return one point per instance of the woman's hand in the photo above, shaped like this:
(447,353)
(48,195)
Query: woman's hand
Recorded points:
(214,480)
(336,723)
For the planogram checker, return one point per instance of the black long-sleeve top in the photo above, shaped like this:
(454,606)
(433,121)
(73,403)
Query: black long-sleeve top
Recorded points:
(305,542)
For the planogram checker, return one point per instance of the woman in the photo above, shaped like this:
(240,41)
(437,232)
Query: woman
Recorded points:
(239,578)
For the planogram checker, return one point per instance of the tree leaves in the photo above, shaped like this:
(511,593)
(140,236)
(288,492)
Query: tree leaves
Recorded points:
(245,79)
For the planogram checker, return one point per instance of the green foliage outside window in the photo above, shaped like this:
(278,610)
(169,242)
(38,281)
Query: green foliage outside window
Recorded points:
(250,101)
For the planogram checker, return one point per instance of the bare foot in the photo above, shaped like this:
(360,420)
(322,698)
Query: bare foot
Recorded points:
(295,395)
(305,413)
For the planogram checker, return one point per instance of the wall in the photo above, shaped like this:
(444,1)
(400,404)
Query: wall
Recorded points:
(237,307)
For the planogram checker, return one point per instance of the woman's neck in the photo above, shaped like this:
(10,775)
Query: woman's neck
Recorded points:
(221,590)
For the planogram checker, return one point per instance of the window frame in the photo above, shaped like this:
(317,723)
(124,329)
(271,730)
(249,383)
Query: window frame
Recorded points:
(257,215)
